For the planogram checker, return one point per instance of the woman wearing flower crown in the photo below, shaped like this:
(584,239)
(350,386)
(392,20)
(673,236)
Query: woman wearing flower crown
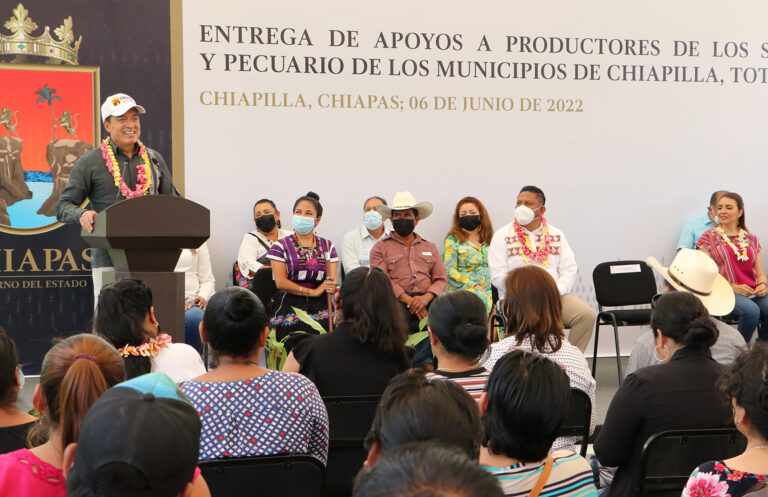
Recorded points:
(125,316)
(737,254)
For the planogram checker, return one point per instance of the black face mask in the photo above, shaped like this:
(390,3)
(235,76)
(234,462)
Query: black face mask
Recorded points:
(403,227)
(469,222)
(266,223)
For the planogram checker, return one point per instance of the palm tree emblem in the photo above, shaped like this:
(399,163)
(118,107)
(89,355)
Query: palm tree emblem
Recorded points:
(48,95)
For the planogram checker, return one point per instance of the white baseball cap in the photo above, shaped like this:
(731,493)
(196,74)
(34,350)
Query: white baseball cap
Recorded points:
(118,104)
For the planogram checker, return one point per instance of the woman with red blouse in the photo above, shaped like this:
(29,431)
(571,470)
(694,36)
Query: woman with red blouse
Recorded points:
(737,253)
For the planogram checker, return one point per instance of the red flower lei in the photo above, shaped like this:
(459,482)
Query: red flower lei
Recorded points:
(143,175)
(542,252)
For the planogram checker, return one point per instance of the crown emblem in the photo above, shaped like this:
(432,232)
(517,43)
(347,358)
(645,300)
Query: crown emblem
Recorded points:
(21,41)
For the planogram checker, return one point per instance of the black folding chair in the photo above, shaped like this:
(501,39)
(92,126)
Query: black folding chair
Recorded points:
(263,285)
(286,476)
(577,418)
(349,419)
(669,457)
(622,283)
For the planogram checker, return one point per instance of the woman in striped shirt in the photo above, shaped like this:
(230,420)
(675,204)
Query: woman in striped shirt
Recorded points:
(458,333)
(737,253)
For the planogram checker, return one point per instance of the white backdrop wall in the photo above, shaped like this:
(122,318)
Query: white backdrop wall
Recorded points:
(620,176)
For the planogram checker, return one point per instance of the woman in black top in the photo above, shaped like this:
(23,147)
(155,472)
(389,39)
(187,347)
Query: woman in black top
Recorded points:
(366,349)
(680,393)
(14,424)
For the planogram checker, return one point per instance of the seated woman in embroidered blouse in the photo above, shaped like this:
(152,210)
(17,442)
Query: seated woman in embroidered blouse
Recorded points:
(125,316)
(458,334)
(534,314)
(247,410)
(737,253)
(745,385)
(304,267)
(466,250)
(532,390)
(75,373)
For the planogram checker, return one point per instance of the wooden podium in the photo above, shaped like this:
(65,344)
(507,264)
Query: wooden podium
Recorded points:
(144,237)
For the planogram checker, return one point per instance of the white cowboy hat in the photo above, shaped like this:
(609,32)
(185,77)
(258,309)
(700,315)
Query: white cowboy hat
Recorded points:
(404,201)
(695,272)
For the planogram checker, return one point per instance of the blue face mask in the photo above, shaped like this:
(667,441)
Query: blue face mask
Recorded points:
(373,220)
(303,225)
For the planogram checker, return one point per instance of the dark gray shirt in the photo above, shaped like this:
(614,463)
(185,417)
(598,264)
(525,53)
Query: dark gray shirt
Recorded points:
(91,179)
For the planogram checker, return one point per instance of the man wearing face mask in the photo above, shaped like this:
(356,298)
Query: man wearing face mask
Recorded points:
(252,255)
(697,226)
(529,240)
(357,244)
(413,264)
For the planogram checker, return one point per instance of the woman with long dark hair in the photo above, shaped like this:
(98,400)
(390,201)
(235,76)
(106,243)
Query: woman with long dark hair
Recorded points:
(534,314)
(466,250)
(738,255)
(125,316)
(75,373)
(14,424)
(366,349)
(680,393)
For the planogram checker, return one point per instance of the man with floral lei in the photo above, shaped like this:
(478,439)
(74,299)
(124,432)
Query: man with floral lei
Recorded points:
(529,239)
(122,167)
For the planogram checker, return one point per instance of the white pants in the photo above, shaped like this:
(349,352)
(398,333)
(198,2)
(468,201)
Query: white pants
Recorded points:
(97,274)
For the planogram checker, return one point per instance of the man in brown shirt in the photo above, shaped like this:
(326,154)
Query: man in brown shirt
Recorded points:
(413,264)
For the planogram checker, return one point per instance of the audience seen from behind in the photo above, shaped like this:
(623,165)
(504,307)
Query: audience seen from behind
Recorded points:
(247,410)
(75,372)
(695,272)
(466,250)
(745,386)
(252,254)
(415,409)
(365,350)
(141,438)
(425,469)
(737,253)
(304,268)
(14,424)
(125,316)
(522,409)
(199,285)
(696,226)
(458,334)
(357,244)
(679,394)
(530,241)
(413,265)
(533,308)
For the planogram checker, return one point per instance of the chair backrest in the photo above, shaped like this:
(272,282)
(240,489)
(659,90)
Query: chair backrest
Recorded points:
(350,418)
(263,285)
(577,418)
(286,476)
(623,283)
(669,457)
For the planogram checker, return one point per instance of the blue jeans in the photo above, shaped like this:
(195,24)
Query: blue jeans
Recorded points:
(749,311)
(192,318)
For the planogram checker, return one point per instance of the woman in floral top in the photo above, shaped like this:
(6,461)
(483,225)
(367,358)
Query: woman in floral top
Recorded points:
(466,250)
(745,384)
(737,253)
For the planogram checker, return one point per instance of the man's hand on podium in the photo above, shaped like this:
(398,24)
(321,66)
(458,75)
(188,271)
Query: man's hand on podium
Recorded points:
(86,220)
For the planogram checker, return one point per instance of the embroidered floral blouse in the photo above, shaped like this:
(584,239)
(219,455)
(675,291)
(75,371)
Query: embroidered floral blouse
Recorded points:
(732,269)
(467,268)
(715,479)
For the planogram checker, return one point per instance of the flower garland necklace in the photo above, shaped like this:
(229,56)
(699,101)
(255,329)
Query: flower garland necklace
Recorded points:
(149,349)
(143,176)
(741,255)
(542,252)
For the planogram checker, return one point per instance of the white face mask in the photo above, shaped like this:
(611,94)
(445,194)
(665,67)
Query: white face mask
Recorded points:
(525,215)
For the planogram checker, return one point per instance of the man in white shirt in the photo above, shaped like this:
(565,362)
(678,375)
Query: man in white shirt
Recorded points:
(357,244)
(255,244)
(527,240)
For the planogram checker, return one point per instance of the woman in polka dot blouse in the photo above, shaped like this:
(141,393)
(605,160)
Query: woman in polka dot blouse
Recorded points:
(247,410)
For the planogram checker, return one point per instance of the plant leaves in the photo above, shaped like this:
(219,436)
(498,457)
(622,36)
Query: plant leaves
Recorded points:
(416,338)
(307,319)
(423,323)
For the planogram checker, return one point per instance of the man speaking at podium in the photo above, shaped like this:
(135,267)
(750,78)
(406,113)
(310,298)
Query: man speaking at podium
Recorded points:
(122,167)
